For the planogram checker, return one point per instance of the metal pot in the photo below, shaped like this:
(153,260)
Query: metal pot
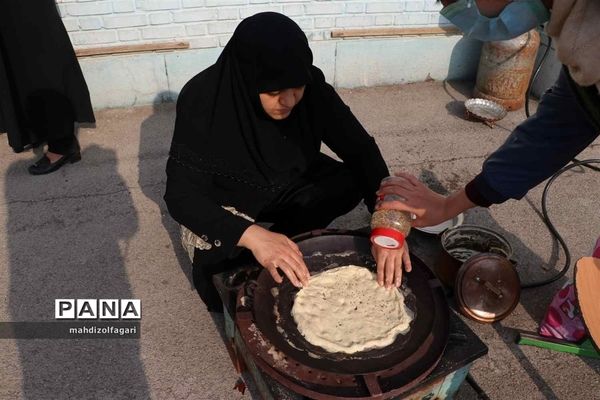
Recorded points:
(462,242)
(476,262)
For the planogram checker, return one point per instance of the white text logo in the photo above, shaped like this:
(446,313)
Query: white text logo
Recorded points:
(97,309)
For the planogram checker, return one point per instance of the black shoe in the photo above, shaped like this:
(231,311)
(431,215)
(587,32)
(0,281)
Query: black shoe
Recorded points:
(44,166)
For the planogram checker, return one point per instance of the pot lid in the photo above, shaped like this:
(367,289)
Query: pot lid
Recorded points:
(487,287)
(587,285)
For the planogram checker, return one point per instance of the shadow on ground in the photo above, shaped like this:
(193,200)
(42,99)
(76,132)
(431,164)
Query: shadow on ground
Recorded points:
(156,133)
(43,228)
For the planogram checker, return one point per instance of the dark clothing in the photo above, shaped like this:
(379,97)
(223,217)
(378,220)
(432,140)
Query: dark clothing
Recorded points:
(230,163)
(65,145)
(326,191)
(589,98)
(51,114)
(196,195)
(559,130)
(220,118)
(227,152)
(42,89)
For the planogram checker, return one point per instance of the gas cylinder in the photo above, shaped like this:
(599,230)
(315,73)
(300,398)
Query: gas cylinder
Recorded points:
(505,69)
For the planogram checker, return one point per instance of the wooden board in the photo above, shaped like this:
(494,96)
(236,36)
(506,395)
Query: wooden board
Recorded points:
(378,32)
(587,284)
(131,48)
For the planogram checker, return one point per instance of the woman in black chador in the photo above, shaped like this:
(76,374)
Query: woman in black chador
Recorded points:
(42,90)
(246,150)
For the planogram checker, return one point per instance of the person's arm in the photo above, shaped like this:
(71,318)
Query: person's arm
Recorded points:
(539,147)
(346,137)
(189,206)
(407,193)
(276,251)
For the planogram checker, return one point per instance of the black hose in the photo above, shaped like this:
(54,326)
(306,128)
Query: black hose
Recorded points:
(550,225)
(535,75)
(583,164)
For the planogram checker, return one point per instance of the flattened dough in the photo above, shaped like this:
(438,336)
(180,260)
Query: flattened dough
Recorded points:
(344,310)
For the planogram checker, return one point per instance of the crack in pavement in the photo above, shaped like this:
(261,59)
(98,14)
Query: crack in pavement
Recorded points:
(442,160)
(82,196)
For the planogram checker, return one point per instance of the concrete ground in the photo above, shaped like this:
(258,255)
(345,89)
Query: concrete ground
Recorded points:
(99,229)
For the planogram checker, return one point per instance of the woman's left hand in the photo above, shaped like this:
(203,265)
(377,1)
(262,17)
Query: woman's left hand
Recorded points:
(390,263)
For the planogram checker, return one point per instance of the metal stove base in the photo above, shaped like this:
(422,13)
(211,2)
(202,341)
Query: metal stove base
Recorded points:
(443,383)
(464,347)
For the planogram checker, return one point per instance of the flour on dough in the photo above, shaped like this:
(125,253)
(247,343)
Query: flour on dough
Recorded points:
(344,310)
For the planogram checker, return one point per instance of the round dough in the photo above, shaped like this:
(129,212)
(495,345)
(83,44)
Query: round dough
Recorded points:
(345,310)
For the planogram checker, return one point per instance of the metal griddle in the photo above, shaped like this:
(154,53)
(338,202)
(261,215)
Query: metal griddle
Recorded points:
(263,314)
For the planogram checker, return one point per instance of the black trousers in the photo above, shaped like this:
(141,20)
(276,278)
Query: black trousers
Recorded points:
(52,119)
(326,191)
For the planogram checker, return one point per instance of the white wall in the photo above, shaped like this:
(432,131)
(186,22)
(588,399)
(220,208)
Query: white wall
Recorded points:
(134,79)
(209,23)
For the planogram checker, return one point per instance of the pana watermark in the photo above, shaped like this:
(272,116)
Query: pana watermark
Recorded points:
(90,309)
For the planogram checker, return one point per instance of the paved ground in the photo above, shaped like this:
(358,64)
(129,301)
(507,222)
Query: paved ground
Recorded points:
(99,229)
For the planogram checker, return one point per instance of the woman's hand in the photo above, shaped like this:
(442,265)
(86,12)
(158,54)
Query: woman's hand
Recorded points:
(275,251)
(405,192)
(389,264)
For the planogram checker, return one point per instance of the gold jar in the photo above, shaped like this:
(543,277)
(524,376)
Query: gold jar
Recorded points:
(389,228)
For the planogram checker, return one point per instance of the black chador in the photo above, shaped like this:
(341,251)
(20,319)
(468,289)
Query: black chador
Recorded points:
(231,165)
(42,89)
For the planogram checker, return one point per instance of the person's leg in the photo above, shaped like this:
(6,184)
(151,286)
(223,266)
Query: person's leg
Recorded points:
(326,191)
(203,277)
(64,145)
(52,116)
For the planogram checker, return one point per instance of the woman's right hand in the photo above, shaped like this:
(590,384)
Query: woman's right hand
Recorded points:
(275,251)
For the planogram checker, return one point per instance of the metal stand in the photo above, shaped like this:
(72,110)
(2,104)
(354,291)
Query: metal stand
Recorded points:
(464,347)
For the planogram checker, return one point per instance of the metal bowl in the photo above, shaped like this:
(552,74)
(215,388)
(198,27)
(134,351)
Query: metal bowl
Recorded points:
(485,110)
(441,227)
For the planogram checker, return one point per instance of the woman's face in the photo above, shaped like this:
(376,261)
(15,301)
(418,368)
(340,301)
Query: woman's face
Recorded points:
(279,104)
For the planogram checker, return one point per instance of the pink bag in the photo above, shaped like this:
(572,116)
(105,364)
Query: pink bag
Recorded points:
(563,318)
